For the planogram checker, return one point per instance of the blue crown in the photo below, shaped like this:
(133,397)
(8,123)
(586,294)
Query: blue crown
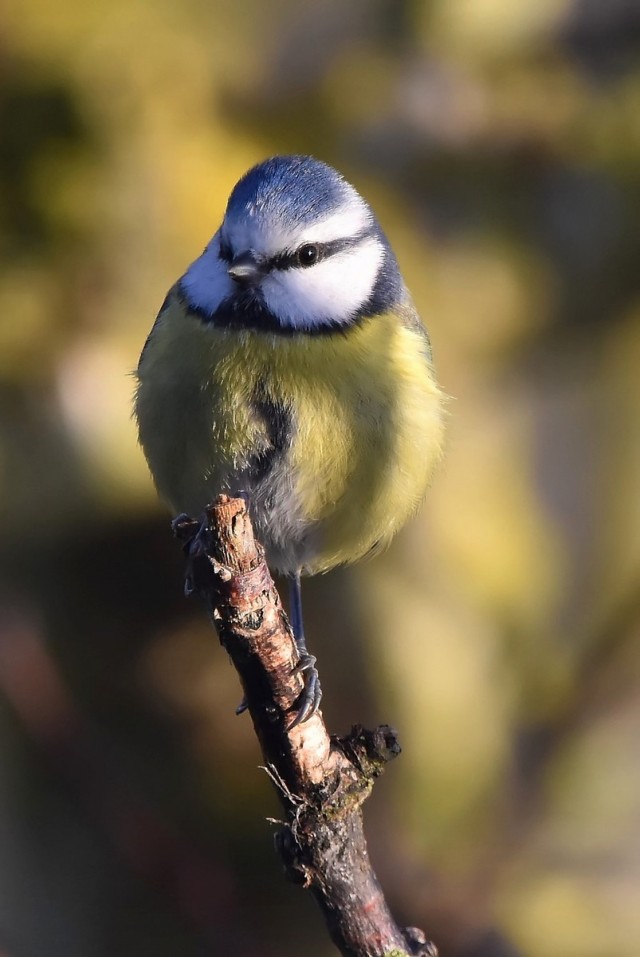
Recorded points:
(297,189)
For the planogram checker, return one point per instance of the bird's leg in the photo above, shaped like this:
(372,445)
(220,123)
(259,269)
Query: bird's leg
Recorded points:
(309,700)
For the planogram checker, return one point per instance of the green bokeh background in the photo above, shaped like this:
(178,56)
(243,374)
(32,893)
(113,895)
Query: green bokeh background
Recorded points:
(499,142)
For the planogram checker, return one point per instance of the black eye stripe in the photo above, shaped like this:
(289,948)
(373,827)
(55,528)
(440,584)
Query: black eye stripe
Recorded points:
(289,260)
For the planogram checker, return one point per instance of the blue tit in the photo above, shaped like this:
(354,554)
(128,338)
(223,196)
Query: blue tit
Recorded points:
(288,364)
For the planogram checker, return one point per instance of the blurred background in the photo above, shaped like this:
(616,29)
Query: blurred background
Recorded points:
(499,143)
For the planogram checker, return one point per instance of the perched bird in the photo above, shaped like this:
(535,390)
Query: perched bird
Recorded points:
(288,364)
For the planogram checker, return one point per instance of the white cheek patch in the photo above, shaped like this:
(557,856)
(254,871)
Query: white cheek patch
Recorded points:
(206,282)
(330,292)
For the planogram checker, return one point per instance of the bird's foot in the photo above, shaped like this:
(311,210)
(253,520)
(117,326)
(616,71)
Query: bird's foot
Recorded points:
(191,533)
(310,697)
(184,527)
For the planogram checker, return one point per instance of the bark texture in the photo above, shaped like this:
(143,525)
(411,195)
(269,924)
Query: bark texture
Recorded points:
(322,780)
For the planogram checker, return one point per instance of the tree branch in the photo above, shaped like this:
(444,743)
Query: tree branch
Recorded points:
(321,781)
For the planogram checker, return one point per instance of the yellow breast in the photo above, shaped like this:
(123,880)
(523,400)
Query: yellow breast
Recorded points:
(365,428)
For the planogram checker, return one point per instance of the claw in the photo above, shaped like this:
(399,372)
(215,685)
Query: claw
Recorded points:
(309,700)
(306,662)
(180,521)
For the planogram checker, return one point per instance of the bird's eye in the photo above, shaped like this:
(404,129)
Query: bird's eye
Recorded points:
(307,255)
(225,252)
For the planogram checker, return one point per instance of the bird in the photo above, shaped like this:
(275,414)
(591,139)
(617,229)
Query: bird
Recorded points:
(288,365)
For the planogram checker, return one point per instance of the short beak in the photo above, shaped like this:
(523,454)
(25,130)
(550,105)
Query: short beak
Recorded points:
(245,269)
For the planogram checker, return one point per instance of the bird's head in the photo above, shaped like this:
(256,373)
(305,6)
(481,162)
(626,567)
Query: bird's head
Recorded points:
(298,250)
